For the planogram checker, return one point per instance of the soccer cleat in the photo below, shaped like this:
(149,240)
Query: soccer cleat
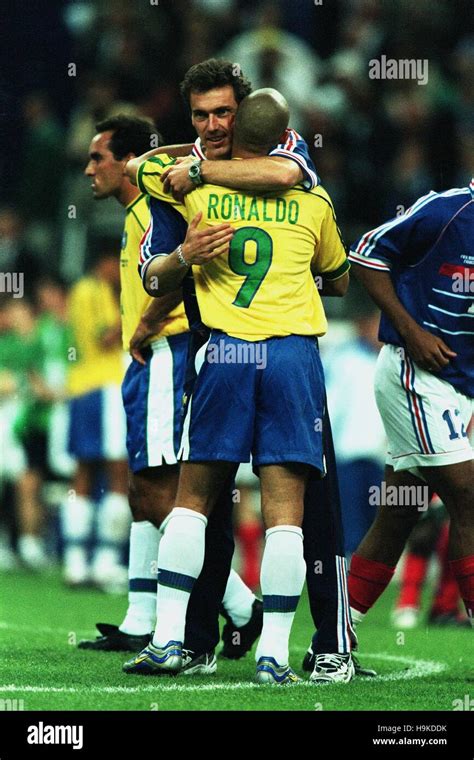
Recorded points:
(112,639)
(239,641)
(360,671)
(159,661)
(198,664)
(270,672)
(405,618)
(309,662)
(332,668)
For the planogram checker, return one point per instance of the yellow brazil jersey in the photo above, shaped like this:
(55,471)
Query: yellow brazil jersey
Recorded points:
(264,286)
(93,309)
(134,301)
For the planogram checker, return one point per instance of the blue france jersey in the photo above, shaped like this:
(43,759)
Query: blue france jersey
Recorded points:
(292,146)
(429,252)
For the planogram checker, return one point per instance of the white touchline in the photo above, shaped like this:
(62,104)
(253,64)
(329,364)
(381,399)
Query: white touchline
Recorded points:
(4,626)
(416,669)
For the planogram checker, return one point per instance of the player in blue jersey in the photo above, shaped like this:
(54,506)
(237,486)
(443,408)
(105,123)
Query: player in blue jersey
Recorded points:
(419,269)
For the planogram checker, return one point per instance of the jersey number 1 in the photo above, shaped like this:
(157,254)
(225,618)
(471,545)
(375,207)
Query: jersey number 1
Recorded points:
(254,273)
(453,434)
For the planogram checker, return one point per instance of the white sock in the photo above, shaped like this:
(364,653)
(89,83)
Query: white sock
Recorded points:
(357,617)
(113,525)
(238,600)
(77,513)
(179,564)
(142,574)
(281,578)
(31,550)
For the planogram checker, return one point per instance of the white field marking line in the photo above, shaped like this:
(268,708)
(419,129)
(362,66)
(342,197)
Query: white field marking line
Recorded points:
(4,626)
(416,669)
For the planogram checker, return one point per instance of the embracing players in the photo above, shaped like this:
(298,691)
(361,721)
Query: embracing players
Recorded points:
(240,408)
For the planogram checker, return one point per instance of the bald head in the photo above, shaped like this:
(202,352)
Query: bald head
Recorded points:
(261,120)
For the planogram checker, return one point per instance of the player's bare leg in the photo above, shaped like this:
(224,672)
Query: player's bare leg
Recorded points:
(388,534)
(374,561)
(152,492)
(455,486)
(283,567)
(200,484)
(30,520)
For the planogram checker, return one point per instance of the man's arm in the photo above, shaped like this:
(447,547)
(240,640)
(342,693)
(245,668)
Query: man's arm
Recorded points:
(265,174)
(330,265)
(175,151)
(335,288)
(257,175)
(426,349)
(155,316)
(164,273)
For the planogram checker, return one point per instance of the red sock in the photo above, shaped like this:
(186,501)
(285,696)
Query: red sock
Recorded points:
(367,580)
(413,575)
(249,536)
(446,600)
(463,571)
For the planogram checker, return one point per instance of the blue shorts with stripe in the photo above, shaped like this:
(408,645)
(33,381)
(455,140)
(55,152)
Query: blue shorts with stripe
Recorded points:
(264,398)
(152,397)
(97,425)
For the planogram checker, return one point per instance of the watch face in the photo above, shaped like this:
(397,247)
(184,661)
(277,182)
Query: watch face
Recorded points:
(195,173)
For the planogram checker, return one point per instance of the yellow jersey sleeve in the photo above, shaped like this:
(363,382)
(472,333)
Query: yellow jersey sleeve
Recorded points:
(134,301)
(149,180)
(330,258)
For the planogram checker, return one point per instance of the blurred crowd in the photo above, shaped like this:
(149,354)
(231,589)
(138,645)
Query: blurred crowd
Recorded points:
(377,144)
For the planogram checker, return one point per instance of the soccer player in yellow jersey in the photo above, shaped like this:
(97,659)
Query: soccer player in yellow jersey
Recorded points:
(96,429)
(260,386)
(156,333)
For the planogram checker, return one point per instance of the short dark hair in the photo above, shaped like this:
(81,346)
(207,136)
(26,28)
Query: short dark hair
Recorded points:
(215,72)
(131,134)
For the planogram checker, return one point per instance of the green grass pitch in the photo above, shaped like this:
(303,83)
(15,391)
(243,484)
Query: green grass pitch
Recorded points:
(41,621)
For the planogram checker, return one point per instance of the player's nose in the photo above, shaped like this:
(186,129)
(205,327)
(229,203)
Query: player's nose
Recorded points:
(213,122)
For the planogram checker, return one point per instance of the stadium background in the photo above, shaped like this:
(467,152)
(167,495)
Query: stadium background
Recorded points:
(376,144)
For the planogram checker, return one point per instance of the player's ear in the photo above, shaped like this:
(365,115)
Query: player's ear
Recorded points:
(125,161)
(128,157)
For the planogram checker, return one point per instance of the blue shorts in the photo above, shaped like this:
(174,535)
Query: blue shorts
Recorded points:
(264,398)
(97,425)
(152,397)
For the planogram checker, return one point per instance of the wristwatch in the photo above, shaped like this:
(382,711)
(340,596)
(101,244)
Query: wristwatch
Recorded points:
(194,173)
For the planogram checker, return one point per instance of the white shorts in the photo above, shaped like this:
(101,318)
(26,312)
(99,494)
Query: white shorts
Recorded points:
(153,397)
(425,418)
